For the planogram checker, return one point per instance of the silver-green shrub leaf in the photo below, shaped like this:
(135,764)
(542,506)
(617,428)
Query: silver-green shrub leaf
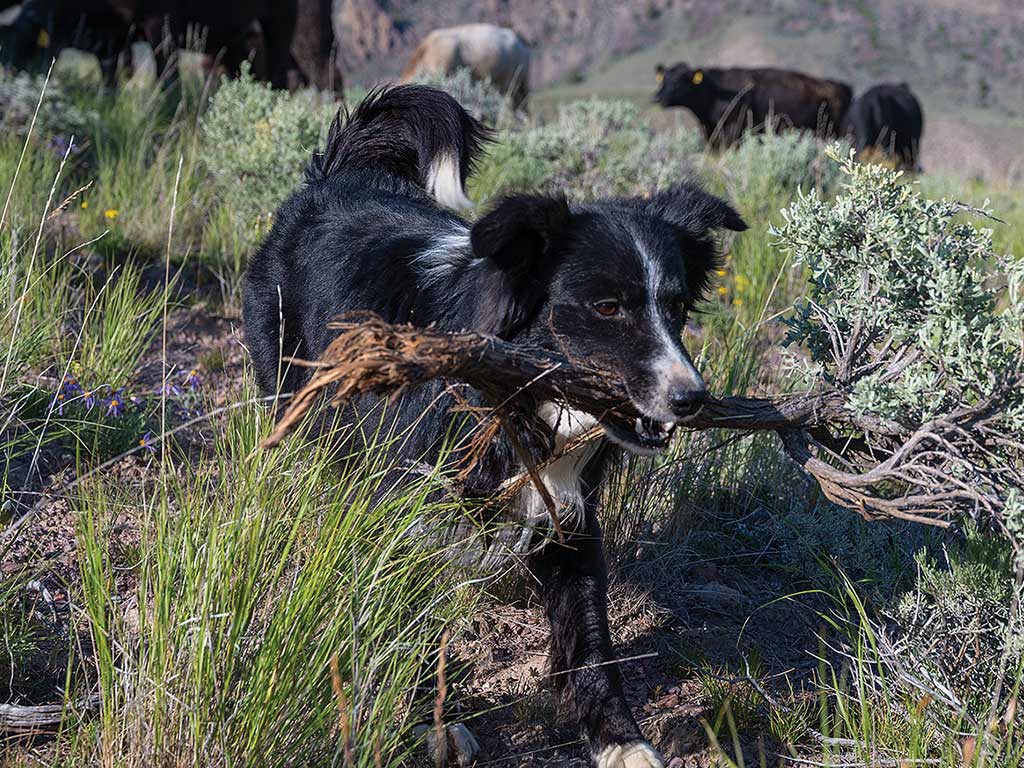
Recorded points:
(592,148)
(256,144)
(912,315)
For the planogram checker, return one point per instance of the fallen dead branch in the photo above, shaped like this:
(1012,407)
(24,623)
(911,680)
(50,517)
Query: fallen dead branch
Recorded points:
(371,356)
(928,473)
(25,718)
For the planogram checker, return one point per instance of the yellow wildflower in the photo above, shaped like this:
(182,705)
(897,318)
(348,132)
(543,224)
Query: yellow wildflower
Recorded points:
(111,213)
(85,204)
(742,283)
(722,290)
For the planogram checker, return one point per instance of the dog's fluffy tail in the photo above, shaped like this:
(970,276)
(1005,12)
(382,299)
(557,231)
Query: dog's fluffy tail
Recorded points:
(418,133)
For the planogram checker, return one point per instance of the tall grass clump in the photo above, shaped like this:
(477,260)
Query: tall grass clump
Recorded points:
(768,166)
(133,164)
(878,696)
(35,289)
(283,612)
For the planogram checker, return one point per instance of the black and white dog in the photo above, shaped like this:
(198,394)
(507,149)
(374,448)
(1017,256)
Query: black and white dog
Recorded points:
(610,282)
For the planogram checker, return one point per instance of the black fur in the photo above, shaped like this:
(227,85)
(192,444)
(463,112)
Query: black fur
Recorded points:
(363,234)
(399,130)
(888,117)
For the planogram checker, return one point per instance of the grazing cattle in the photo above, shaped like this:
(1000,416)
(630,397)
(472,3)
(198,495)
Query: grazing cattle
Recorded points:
(228,27)
(888,117)
(729,102)
(107,28)
(489,52)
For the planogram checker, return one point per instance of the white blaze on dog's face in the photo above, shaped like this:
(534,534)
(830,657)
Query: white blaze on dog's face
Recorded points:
(676,385)
(611,284)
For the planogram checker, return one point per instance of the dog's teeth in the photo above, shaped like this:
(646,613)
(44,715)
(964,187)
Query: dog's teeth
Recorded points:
(666,426)
(639,426)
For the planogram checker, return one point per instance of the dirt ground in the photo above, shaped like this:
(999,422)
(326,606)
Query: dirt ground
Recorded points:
(508,699)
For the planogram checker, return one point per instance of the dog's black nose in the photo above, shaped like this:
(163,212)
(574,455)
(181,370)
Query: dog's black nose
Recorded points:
(684,401)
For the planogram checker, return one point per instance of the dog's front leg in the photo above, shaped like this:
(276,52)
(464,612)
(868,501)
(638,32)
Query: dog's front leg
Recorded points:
(574,587)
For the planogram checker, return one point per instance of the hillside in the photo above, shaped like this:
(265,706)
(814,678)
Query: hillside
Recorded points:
(964,59)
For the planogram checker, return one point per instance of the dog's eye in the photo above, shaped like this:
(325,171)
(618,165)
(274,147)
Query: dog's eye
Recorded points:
(607,308)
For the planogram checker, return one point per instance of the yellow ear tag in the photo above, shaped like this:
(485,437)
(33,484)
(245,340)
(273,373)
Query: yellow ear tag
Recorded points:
(660,76)
(698,77)
(43,41)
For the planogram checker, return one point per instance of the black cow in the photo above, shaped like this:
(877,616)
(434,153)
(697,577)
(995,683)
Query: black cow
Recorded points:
(165,24)
(888,117)
(228,24)
(43,28)
(729,102)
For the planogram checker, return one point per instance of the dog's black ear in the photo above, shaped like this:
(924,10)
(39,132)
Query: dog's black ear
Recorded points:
(696,216)
(693,211)
(517,234)
(519,229)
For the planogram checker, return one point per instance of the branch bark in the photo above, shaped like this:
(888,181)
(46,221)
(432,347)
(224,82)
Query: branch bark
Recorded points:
(927,473)
(371,356)
(14,717)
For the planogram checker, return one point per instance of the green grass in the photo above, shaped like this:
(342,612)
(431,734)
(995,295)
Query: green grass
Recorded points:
(210,639)
(238,612)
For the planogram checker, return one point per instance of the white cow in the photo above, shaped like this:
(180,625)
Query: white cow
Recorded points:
(489,52)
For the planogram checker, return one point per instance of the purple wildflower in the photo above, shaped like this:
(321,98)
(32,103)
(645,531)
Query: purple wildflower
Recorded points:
(69,386)
(192,380)
(146,441)
(68,389)
(89,399)
(170,389)
(115,404)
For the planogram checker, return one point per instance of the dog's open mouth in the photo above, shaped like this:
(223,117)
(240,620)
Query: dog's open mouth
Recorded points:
(645,435)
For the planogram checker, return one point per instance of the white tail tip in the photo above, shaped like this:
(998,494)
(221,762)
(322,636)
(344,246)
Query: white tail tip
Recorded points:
(444,183)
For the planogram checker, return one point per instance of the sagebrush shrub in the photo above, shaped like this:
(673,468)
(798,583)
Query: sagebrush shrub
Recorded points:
(58,114)
(912,315)
(909,272)
(593,148)
(256,144)
(958,623)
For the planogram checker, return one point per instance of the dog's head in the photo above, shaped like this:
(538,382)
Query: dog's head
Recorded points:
(608,283)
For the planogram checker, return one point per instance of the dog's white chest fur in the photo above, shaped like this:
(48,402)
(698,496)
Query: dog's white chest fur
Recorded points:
(562,476)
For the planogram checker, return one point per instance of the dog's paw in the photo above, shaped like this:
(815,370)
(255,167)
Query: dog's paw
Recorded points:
(639,754)
(458,747)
